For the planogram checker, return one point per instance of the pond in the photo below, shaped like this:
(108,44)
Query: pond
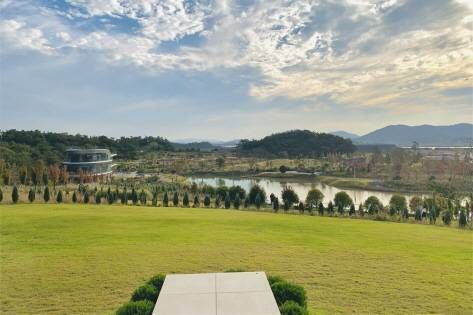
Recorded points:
(275,186)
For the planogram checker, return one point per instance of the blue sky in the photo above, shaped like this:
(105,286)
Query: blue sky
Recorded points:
(233,69)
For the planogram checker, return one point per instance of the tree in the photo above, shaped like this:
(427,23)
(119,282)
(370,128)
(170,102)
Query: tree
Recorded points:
(46,194)
(258,201)
(275,204)
(321,209)
(98,197)
(415,202)
(175,199)
(398,203)
(283,169)
(330,208)
(154,199)
(342,199)
(227,202)
(165,199)
(462,219)
(31,195)
(110,198)
(134,196)
(289,196)
(185,200)
(86,196)
(352,210)
(221,192)
(207,201)
(59,196)
(255,191)
(196,201)
(314,197)
(220,162)
(418,214)
(1,195)
(74,197)
(124,197)
(433,216)
(217,202)
(14,194)
(372,204)
(236,191)
(340,209)
(447,216)
(143,197)
(236,202)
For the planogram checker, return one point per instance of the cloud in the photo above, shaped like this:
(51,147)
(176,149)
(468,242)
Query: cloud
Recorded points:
(17,35)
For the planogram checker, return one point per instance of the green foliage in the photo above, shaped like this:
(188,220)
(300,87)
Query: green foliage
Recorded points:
(236,202)
(165,199)
(221,192)
(98,197)
(124,197)
(157,281)
(352,210)
(415,202)
(296,143)
(330,209)
(418,214)
(31,195)
(14,194)
(433,215)
(462,219)
(314,198)
(373,204)
(447,217)
(321,209)
(143,197)
(143,307)
(283,169)
(275,204)
(185,200)
(398,203)
(361,211)
(74,197)
(289,196)
(134,196)
(340,209)
(196,201)
(300,207)
(207,201)
(145,292)
(59,197)
(342,199)
(292,308)
(255,191)
(175,199)
(1,195)
(227,202)
(86,196)
(284,291)
(258,201)
(236,191)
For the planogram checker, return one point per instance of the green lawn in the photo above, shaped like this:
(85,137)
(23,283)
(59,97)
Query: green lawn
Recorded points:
(75,259)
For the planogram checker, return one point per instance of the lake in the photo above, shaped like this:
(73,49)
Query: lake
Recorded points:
(275,186)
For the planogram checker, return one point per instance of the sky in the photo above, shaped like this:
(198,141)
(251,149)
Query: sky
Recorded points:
(233,69)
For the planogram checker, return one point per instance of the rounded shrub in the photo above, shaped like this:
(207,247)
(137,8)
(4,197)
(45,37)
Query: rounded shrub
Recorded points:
(145,292)
(284,291)
(157,282)
(273,279)
(292,308)
(143,307)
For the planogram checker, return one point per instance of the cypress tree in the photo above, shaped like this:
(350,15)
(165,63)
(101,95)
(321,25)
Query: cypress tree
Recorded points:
(154,201)
(275,204)
(165,199)
(46,194)
(1,195)
(185,200)
(110,198)
(246,203)
(143,198)
(321,209)
(352,210)
(14,194)
(175,199)
(196,201)
(361,212)
(340,209)
(300,207)
(74,197)
(258,201)
(134,196)
(236,202)
(86,196)
(98,198)
(217,202)
(59,196)
(330,208)
(124,197)
(227,202)
(207,201)
(462,219)
(418,214)
(31,195)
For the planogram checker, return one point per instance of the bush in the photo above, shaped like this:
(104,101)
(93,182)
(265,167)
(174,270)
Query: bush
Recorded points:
(157,282)
(185,200)
(74,197)
(14,195)
(292,308)
(145,292)
(207,201)
(447,217)
(342,199)
(86,196)
(31,195)
(255,191)
(284,291)
(1,195)
(462,219)
(59,196)
(227,202)
(144,307)
(273,279)
(98,198)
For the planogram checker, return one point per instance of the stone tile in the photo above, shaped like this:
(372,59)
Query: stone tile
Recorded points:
(242,282)
(246,303)
(189,283)
(186,304)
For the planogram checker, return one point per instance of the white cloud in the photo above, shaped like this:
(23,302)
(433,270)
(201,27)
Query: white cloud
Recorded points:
(19,36)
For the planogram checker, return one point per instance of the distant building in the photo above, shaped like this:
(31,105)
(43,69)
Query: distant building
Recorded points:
(95,162)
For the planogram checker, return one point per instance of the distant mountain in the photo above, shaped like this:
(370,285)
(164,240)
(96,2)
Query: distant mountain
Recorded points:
(197,146)
(214,142)
(425,135)
(344,134)
(295,143)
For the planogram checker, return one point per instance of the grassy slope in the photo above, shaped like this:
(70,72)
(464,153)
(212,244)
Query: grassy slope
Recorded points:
(88,259)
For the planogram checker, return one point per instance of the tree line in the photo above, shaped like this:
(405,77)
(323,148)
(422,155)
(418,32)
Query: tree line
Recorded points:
(428,210)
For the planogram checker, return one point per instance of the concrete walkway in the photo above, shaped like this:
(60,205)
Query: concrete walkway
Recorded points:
(231,293)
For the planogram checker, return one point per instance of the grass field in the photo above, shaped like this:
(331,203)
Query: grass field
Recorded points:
(76,259)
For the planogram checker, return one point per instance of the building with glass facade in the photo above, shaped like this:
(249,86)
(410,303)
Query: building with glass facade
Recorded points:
(97,162)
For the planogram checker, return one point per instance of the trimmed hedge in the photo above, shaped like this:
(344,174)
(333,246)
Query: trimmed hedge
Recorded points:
(145,292)
(292,308)
(143,307)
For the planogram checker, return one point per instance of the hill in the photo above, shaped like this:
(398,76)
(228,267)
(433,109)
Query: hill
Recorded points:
(344,134)
(195,146)
(296,143)
(425,135)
